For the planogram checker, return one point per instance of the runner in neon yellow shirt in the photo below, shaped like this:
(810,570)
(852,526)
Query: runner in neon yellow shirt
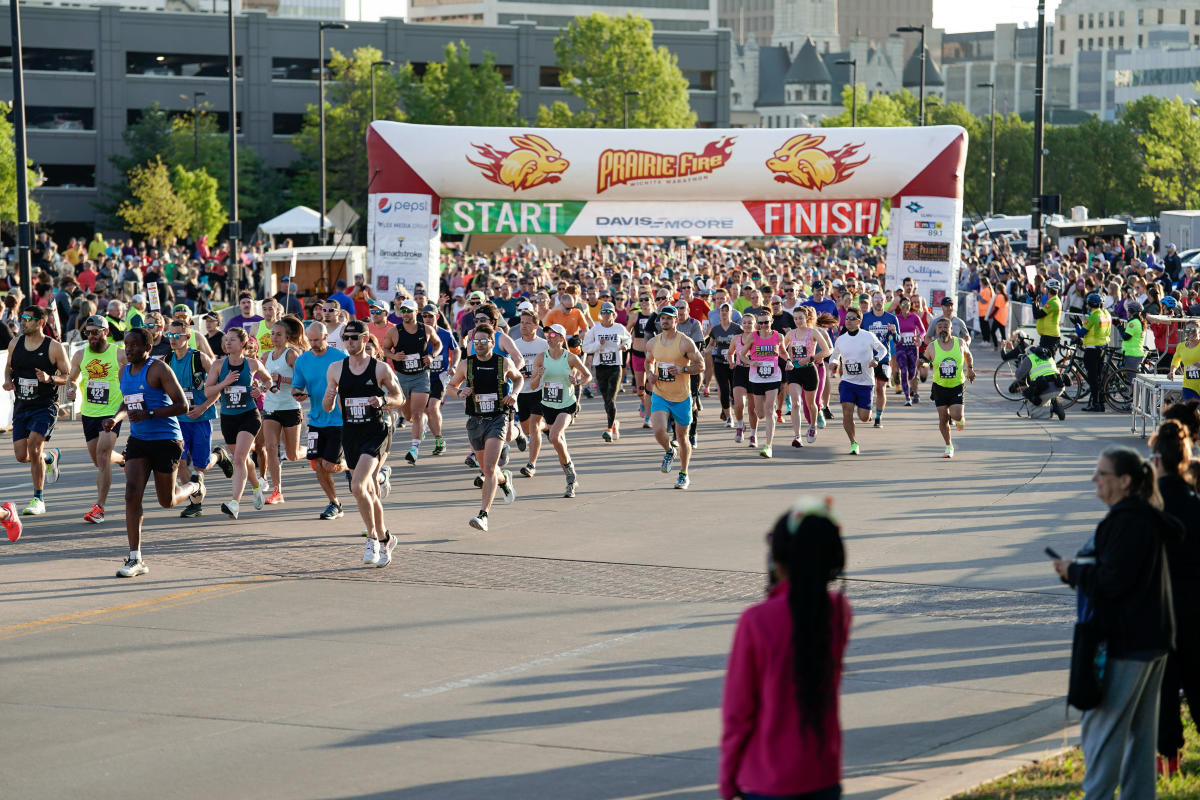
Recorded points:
(1187,355)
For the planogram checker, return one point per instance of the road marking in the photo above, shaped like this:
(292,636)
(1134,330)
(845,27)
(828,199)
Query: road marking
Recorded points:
(586,649)
(135,607)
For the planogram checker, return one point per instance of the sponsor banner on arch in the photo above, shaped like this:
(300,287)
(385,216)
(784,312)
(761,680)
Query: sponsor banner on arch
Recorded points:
(924,243)
(405,238)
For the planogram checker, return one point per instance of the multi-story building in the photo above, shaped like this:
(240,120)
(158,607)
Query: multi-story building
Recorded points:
(1170,67)
(665,15)
(1085,25)
(1007,57)
(91,71)
(747,18)
(877,20)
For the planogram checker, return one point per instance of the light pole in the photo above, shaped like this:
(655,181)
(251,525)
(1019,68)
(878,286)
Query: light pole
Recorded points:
(235,225)
(324,26)
(921,30)
(195,126)
(387,62)
(991,150)
(1039,125)
(853,64)
(628,94)
(24,238)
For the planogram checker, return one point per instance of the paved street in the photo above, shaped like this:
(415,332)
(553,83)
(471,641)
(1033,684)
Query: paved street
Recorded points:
(575,651)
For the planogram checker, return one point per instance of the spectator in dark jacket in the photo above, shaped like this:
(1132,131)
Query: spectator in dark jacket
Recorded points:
(1127,585)
(1171,454)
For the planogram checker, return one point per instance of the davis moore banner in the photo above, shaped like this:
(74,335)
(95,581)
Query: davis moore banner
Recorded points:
(714,218)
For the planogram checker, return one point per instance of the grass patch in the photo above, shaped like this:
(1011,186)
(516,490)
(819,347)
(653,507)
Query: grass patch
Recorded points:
(1059,778)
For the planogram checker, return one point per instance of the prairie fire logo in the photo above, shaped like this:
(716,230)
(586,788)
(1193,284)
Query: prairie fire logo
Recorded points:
(802,162)
(625,166)
(532,162)
(96,369)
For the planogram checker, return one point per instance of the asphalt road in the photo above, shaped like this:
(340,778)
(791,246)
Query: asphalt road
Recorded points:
(576,650)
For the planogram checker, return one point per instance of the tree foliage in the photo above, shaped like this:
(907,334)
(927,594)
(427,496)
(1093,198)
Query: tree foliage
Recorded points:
(156,210)
(198,191)
(601,58)
(448,93)
(1171,143)
(8,172)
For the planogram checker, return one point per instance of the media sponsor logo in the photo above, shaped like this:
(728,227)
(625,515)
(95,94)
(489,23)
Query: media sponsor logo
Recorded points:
(618,167)
(386,205)
(532,162)
(803,162)
(666,223)
(816,217)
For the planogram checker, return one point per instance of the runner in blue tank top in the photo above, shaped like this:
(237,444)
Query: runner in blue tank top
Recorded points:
(153,399)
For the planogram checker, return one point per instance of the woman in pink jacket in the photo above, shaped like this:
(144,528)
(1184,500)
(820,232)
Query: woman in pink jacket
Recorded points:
(781,738)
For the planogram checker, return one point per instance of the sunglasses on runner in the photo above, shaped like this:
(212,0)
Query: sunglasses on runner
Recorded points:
(478,342)
(90,331)
(351,337)
(409,310)
(384,310)
(176,335)
(152,325)
(26,317)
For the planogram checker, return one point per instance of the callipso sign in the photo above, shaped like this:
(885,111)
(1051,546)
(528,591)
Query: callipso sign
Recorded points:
(696,182)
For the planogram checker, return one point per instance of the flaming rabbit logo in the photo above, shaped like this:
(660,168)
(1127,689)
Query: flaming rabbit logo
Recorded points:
(532,162)
(802,162)
(96,369)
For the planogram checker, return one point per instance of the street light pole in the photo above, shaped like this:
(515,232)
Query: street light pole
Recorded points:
(235,225)
(387,62)
(1039,124)
(853,63)
(991,150)
(196,127)
(324,26)
(628,94)
(24,237)
(921,30)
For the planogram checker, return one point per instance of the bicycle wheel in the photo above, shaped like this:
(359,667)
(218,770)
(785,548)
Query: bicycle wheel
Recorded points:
(1075,387)
(1005,376)
(1118,392)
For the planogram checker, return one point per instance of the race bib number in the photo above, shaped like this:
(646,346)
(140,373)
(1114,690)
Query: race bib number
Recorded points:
(948,368)
(1192,373)
(98,392)
(552,392)
(799,351)
(235,396)
(665,373)
(527,369)
(907,339)
(853,367)
(486,403)
(27,388)
(312,444)
(412,363)
(766,370)
(356,408)
(135,402)
(608,359)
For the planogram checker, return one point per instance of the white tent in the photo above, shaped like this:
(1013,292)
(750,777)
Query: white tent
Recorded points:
(300,219)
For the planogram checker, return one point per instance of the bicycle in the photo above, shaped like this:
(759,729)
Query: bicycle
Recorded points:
(1006,371)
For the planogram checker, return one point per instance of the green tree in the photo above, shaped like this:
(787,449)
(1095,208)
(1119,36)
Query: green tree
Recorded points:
(156,209)
(1171,143)
(453,92)
(198,190)
(8,172)
(600,58)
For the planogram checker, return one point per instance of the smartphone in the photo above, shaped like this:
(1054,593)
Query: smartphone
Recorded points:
(1050,552)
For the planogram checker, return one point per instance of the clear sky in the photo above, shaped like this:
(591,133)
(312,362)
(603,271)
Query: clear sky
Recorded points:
(958,16)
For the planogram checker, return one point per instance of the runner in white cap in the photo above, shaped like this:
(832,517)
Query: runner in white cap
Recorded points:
(556,373)
(606,342)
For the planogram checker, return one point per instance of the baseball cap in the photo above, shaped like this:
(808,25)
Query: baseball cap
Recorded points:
(525,305)
(947,301)
(607,308)
(375,305)
(556,328)
(726,304)
(476,296)
(429,308)
(180,310)
(409,304)
(96,321)
(668,311)
(354,326)
(285,279)
(459,292)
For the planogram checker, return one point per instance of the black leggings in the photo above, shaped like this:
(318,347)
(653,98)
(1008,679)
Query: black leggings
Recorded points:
(1093,365)
(696,405)
(724,377)
(608,380)
(1183,672)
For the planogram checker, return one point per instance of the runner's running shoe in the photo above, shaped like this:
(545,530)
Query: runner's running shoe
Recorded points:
(385,551)
(949,451)
(371,553)
(96,515)
(854,448)
(668,457)
(276,497)
(507,488)
(683,481)
(36,507)
(230,509)
(479,521)
(132,568)
(439,445)
(224,461)
(52,456)
(332,511)
(12,525)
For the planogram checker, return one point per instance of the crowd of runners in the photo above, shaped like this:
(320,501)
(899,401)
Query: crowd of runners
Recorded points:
(752,340)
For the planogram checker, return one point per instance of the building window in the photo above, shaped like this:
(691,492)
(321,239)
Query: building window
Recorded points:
(1183,16)
(548,76)
(1090,44)
(1139,40)
(1081,22)
(178,64)
(287,124)
(1197,20)
(1111,15)
(1062,46)
(1121,18)
(60,118)
(1100,20)
(1160,16)
(1141,16)
(1080,45)
(1110,43)
(1121,42)
(1091,20)
(295,69)
(50,59)
(1062,23)
(68,176)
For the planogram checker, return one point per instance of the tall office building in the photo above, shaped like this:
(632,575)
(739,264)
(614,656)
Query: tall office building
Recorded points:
(665,15)
(876,20)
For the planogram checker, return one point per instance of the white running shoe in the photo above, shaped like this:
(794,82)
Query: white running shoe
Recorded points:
(507,489)
(260,498)
(479,522)
(132,568)
(230,509)
(811,436)
(36,507)
(51,456)
(371,554)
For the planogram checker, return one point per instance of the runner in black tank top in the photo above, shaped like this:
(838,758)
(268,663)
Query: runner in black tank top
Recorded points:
(37,366)
(365,389)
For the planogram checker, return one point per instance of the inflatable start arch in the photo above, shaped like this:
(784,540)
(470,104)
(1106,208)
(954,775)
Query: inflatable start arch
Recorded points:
(428,179)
